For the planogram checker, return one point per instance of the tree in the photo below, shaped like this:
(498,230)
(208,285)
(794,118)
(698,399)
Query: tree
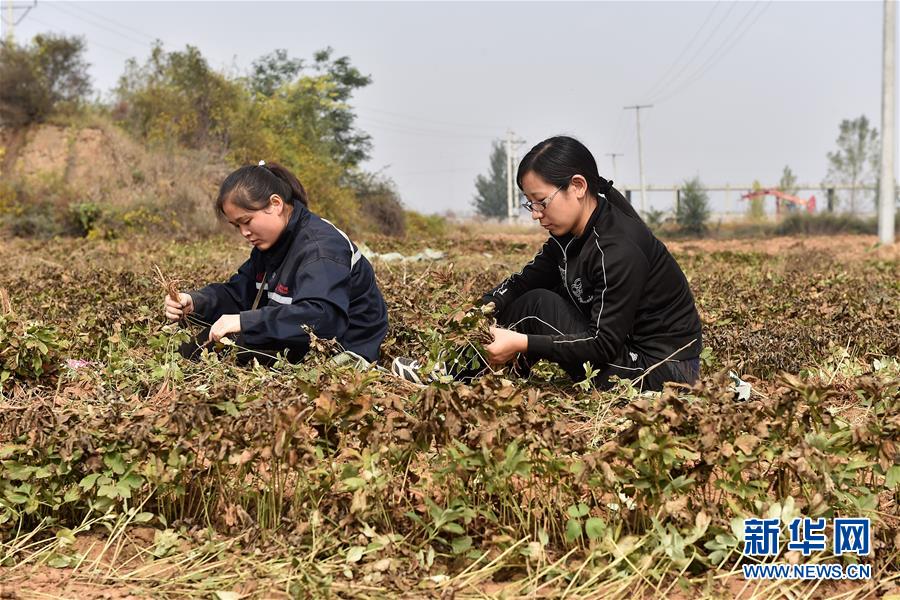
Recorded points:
(273,70)
(693,207)
(490,190)
(47,76)
(175,97)
(756,209)
(788,185)
(855,162)
(318,102)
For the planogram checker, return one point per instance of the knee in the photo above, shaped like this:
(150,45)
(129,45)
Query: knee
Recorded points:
(529,303)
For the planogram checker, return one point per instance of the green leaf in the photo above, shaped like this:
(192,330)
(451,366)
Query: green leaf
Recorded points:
(114,461)
(892,477)
(16,498)
(454,528)
(594,528)
(577,510)
(573,530)
(60,561)
(355,553)
(143,517)
(354,483)
(65,536)
(461,544)
(108,491)
(10,449)
(72,494)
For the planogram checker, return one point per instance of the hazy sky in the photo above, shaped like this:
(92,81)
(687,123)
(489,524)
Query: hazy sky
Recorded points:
(740,89)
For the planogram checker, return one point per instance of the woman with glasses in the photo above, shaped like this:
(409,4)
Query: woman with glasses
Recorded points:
(302,272)
(602,289)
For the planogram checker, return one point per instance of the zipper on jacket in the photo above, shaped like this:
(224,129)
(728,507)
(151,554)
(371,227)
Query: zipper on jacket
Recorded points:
(566,268)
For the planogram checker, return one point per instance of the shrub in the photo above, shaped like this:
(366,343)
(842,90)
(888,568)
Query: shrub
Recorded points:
(693,208)
(419,225)
(825,223)
(380,205)
(37,80)
(28,349)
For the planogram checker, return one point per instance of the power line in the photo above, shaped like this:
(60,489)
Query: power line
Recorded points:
(112,22)
(720,54)
(388,126)
(425,120)
(90,43)
(699,49)
(59,6)
(684,50)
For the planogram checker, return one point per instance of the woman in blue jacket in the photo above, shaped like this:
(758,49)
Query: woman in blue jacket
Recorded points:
(302,271)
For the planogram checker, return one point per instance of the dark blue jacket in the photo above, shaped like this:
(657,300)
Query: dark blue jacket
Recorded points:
(314,275)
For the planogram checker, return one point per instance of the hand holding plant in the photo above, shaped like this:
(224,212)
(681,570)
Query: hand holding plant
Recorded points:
(505,346)
(178,307)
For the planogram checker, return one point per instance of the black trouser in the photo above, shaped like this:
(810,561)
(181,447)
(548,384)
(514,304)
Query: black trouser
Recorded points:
(544,312)
(245,355)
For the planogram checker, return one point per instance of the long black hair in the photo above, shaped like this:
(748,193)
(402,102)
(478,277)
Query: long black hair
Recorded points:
(250,187)
(556,160)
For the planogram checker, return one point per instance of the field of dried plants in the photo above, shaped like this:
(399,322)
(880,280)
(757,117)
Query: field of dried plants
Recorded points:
(126,471)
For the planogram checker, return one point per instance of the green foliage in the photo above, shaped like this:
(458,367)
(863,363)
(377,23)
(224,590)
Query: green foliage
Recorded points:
(490,189)
(176,98)
(756,209)
(693,208)
(825,223)
(28,349)
(855,161)
(280,112)
(380,205)
(654,218)
(86,215)
(788,185)
(424,226)
(270,72)
(361,471)
(46,76)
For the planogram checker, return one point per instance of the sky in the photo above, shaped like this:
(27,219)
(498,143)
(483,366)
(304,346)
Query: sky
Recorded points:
(739,89)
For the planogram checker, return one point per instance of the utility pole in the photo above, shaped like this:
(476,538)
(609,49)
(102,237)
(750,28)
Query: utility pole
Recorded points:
(886,198)
(511,144)
(637,113)
(613,155)
(509,177)
(10,21)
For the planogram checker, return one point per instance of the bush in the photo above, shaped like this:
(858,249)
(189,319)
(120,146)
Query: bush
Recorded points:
(423,226)
(693,208)
(28,349)
(824,223)
(380,205)
(48,76)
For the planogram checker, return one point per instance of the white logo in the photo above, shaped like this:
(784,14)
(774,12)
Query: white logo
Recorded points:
(577,291)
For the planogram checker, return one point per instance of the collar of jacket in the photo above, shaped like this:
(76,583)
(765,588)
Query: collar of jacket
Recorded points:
(601,209)
(275,255)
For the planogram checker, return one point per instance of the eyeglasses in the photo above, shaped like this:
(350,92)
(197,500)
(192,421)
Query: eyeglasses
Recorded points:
(540,205)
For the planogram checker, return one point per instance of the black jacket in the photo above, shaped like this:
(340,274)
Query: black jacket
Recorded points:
(314,275)
(622,279)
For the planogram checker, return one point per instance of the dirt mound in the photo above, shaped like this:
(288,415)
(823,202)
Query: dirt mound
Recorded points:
(101,165)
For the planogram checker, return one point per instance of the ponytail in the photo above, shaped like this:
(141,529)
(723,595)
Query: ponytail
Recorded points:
(251,186)
(556,160)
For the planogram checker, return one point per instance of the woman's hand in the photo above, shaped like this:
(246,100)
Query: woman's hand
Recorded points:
(177,310)
(225,325)
(505,346)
